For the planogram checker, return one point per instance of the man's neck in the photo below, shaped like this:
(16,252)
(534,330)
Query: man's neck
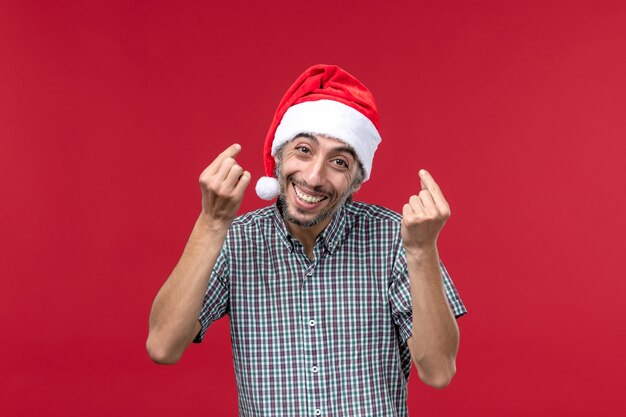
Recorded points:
(307,235)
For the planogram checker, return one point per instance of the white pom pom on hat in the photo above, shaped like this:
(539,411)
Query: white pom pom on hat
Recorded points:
(325,100)
(267,188)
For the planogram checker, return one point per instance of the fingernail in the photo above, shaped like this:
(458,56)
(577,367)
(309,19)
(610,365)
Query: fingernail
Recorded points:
(423,172)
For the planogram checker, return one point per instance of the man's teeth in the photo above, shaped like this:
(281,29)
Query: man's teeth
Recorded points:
(307,198)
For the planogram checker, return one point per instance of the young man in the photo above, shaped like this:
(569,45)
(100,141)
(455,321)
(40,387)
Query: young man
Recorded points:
(329,300)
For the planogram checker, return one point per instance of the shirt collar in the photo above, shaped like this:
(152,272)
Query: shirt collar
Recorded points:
(281,228)
(331,237)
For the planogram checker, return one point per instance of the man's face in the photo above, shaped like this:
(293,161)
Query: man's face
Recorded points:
(316,175)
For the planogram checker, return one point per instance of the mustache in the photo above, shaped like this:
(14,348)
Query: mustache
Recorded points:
(303,184)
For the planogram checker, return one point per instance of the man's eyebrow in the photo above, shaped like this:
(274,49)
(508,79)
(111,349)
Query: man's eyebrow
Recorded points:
(346,149)
(308,136)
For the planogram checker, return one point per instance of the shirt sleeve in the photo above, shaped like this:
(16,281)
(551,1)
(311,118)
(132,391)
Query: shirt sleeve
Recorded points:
(217,297)
(400,296)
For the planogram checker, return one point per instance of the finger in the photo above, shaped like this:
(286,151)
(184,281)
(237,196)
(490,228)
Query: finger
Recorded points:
(407,210)
(428,183)
(233,176)
(427,201)
(231,152)
(244,180)
(416,205)
(225,168)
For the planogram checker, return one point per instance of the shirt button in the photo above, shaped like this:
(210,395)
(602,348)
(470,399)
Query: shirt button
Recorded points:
(318,412)
(312,323)
(314,369)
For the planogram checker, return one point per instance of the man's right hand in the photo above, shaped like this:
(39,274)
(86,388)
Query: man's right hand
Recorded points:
(222,184)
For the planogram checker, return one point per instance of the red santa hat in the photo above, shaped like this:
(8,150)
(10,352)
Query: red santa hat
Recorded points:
(324,100)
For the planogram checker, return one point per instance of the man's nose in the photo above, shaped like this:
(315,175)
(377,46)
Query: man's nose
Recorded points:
(314,172)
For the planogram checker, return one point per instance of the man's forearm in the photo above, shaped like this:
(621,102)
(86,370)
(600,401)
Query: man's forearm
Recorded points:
(174,315)
(435,338)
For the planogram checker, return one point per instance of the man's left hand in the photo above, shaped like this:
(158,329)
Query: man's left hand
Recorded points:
(423,216)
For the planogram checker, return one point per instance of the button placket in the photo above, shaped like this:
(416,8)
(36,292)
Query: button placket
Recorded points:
(310,324)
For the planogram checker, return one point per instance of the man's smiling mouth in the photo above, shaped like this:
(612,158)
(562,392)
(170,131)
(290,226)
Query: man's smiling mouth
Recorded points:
(307,198)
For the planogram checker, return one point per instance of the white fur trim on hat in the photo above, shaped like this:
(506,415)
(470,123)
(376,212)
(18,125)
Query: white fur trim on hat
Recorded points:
(334,119)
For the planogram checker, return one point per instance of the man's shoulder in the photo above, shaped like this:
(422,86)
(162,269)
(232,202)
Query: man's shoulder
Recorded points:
(253,217)
(371,212)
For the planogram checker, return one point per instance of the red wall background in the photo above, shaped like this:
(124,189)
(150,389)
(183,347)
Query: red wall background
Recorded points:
(109,111)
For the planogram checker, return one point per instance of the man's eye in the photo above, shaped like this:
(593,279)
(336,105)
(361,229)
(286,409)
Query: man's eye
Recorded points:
(303,149)
(342,163)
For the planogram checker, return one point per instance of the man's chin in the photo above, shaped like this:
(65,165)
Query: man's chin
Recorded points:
(302,218)
(304,221)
